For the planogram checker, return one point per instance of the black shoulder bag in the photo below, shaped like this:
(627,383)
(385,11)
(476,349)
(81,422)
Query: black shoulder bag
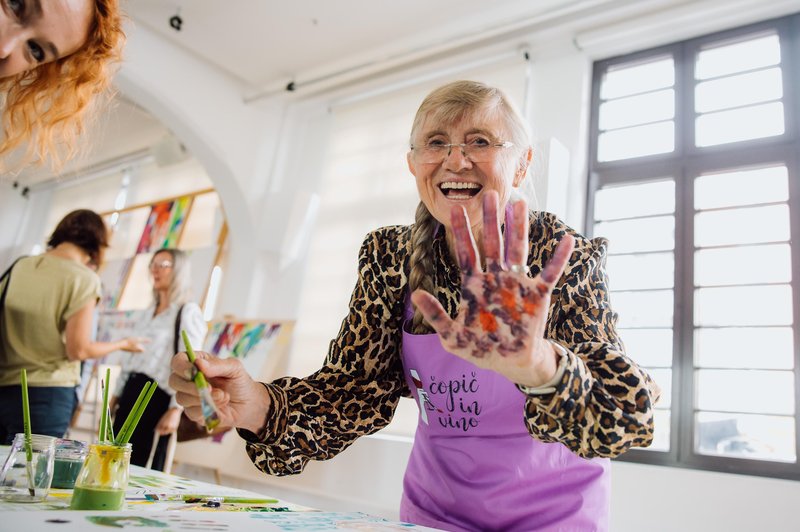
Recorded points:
(7,278)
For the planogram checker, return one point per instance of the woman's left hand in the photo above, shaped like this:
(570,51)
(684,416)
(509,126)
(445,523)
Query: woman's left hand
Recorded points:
(169,421)
(502,315)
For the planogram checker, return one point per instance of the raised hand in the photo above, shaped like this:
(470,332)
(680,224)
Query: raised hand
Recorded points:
(502,315)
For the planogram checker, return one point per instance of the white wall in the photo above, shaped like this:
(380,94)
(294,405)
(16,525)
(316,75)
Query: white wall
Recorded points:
(664,499)
(12,212)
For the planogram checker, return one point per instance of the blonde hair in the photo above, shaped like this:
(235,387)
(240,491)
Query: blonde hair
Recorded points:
(421,261)
(180,284)
(49,104)
(447,105)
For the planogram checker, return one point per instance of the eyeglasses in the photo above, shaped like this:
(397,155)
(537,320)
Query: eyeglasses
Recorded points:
(478,150)
(163,265)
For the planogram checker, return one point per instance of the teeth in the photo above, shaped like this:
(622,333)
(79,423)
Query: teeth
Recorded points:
(454,184)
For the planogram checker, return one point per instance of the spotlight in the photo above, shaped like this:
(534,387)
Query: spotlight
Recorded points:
(175,21)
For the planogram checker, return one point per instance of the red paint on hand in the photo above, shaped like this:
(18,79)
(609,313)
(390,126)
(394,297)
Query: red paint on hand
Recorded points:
(529,307)
(488,321)
(509,302)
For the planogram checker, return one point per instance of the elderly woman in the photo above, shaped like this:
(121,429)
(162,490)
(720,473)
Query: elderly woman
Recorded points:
(523,386)
(47,305)
(55,58)
(170,312)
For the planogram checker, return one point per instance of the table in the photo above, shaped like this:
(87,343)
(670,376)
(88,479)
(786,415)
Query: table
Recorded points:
(154,501)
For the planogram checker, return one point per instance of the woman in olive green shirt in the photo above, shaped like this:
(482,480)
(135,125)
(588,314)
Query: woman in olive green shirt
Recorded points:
(46,325)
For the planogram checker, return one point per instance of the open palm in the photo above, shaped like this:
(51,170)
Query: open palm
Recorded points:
(502,315)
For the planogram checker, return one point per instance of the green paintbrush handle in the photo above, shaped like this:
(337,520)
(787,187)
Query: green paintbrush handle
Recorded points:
(198,377)
(26,416)
(138,414)
(128,420)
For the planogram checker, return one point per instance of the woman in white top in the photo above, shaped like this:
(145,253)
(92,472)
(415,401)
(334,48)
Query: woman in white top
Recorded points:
(171,277)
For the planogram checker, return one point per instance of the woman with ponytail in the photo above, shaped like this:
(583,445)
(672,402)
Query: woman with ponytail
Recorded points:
(495,320)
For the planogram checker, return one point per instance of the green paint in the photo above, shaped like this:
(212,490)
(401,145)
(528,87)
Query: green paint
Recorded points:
(97,499)
(65,471)
(125,521)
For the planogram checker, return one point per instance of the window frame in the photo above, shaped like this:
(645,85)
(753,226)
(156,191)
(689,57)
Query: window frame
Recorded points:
(684,164)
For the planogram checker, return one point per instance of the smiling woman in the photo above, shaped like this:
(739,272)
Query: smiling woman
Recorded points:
(55,59)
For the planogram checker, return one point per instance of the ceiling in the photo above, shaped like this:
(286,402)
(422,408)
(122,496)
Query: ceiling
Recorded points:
(263,41)
(124,131)
(267,43)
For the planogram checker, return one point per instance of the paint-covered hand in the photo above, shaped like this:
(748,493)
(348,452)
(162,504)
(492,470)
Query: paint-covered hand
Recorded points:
(503,313)
(241,401)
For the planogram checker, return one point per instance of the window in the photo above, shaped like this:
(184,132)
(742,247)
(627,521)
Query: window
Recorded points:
(694,181)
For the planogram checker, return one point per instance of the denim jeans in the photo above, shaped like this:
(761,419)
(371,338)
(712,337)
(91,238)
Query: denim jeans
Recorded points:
(51,410)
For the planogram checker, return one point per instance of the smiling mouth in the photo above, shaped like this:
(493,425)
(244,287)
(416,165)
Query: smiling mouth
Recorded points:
(459,190)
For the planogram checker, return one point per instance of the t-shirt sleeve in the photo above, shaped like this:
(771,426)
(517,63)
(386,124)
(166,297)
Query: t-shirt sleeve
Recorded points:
(84,287)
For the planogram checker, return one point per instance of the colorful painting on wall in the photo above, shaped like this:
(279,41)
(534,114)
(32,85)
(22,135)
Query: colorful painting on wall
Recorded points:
(249,341)
(164,225)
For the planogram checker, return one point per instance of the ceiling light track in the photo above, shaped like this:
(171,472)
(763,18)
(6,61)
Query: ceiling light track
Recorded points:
(425,53)
(97,171)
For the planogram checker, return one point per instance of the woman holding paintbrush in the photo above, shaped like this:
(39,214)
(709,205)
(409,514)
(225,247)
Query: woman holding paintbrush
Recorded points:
(495,319)
(171,310)
(47,304)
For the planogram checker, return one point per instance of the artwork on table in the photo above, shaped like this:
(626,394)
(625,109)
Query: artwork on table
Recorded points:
(157,482)
(164,225)
(249,341)
(324,521)
(67,521)
(220,521)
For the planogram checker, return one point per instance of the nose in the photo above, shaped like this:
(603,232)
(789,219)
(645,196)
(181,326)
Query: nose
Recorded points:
(460,160)
(10,37)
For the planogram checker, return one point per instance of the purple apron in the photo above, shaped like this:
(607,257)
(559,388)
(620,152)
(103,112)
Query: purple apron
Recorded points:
(474,466)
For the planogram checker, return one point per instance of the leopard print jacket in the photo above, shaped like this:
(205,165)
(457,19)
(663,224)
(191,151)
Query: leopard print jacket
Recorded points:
(601,407)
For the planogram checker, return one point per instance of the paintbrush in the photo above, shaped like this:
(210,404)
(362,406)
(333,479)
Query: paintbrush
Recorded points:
(26,424)
(207,405)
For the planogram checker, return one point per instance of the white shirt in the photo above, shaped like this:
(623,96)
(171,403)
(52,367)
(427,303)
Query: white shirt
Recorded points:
(155,360)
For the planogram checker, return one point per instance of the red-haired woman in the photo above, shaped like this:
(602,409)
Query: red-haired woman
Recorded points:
(55,58)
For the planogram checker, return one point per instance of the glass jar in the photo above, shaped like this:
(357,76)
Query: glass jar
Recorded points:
(28,480)
(103,479)
(69,458)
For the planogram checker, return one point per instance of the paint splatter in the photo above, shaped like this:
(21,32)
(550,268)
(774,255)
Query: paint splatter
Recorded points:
(488,321)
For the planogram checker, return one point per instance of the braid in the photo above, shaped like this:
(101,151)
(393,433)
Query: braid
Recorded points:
(421,263)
